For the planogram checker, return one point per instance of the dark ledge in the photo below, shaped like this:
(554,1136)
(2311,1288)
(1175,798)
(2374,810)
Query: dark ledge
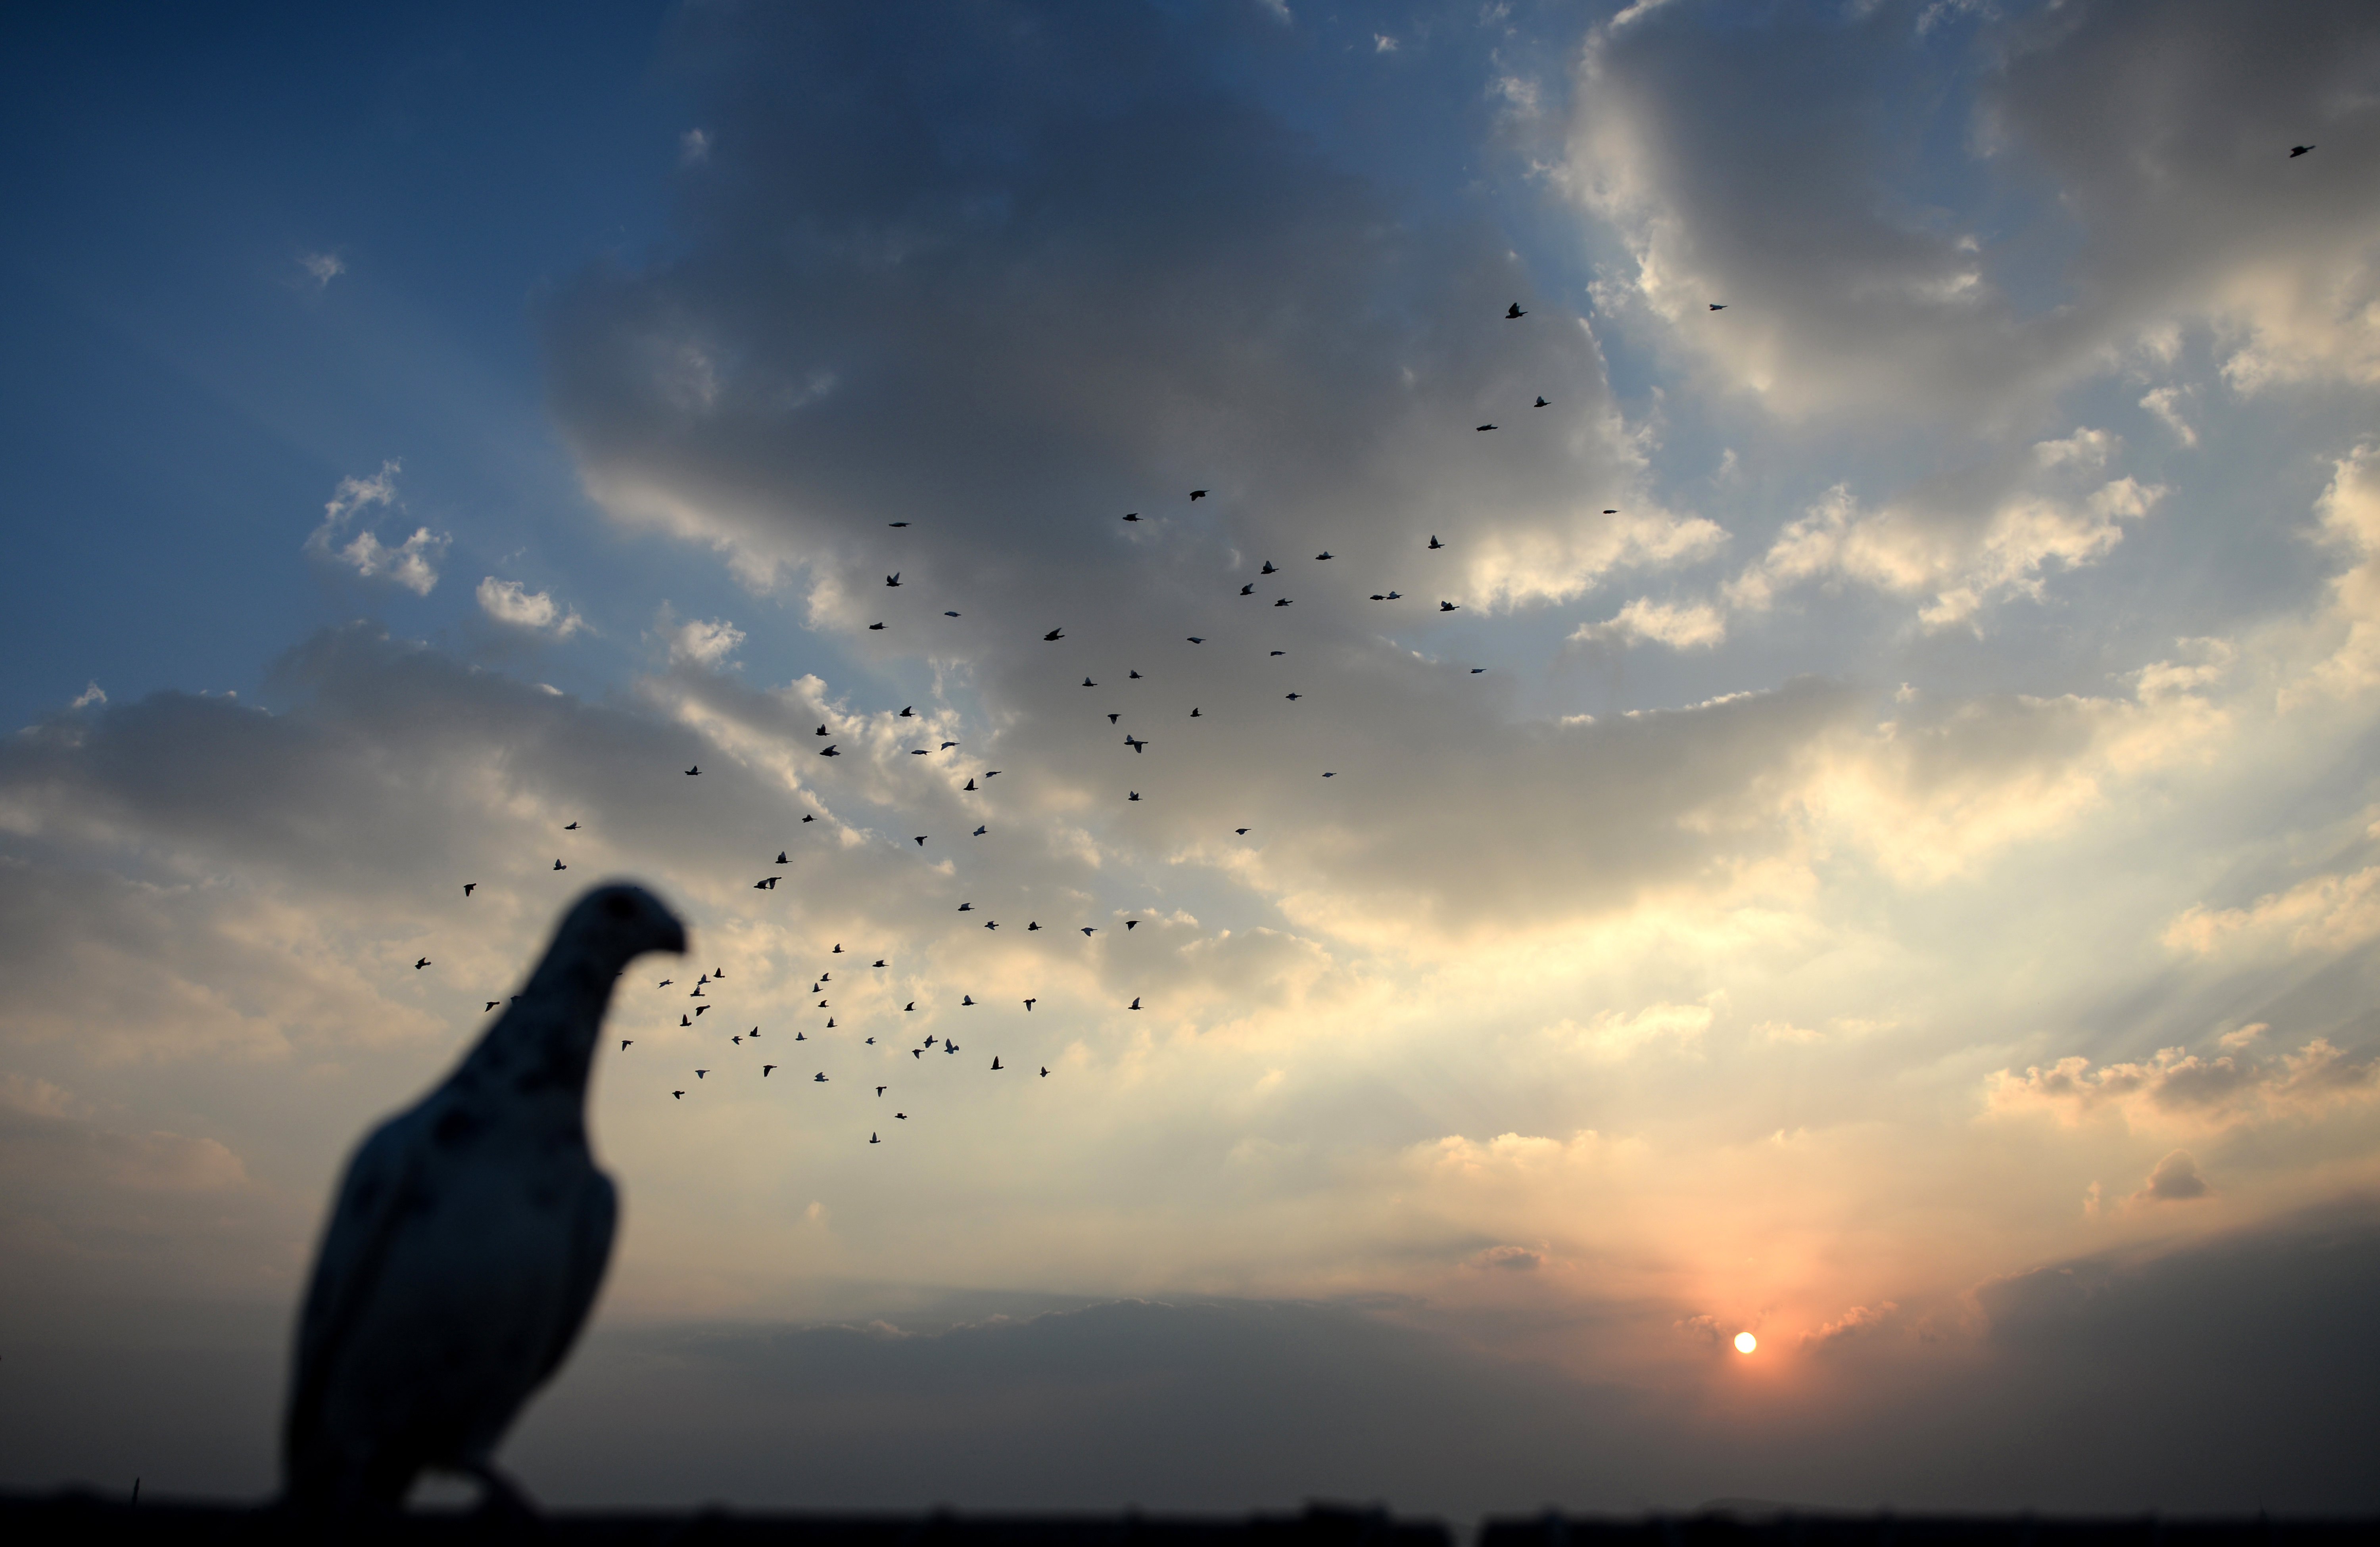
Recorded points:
(82,1518)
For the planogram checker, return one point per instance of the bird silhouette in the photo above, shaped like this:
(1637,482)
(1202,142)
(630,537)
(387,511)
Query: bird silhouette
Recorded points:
(1280,602)
(470,886)
(1447,607)
(909,713)
(1194,714)
(1132,518)
(626,1043)
(765,1068)
(1028,1006)
(873,1139)
(897,523)
(1248,590)
(678,1095)
(560,866)
(921,840)
(2296,151)
(1540,403)
(995,1060)
(1197,638)
(976,834)
(1324,554)
(1514,313)
(1719,306)
(1136,746)
(1088,927)
(1434,542)
(1294,696)
(422,963)
(1053,634)
(1088,683)
(466,1242)
(1198,494)
(1243,832)
(1045,1071)
(874,627)
(1130,925)
(491,1004)
(970,784)
(1135,794)
(570,827)
(700,1073)
(1031,926)
(692,770)
(818,1080)
(893,579)
(1136,1001)
(1267,568)
(882,1089)
(1486,427)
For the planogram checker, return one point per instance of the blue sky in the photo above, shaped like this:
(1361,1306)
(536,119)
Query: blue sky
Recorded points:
(1860,825)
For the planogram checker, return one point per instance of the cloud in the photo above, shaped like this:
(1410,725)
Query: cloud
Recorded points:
(706,643)
(693,147)
(411,564)
(2175,1179)
(2178,1086)
(2158,134)
(511,602)
(1681,626)
(1953,563)
(93,694)
(1859,1321)
(322,267)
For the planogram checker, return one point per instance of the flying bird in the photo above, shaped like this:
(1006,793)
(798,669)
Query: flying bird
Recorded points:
(893,579)
(976,834)
(470,886)
(1197,639)
(1136,1001)
(570,827)
(1243,832)
(467,1241)
(700,1073)
(910,712)
(873,1139)
(1135,745)
(1323,555)
(1514,313)
(422,963)
(1281,601)
(1135,794)
(921,840)
(1540,403)
(768,883)
(897,523)
(765,1068)
(626,1042)
(1130,925)
(1447,607)
(1031,926)
(678,1095)
(1719,306)
(2296,151)
(1248,590)
(995,1061)
(1612,513)
(1114,718)
(1267,568)
(1045,1071)
(1028,1006)
(1434,542)
(1329,776)
(874,627)
(1486,427)
(1476,670)
(818,1080)
(1088,683)
(946,746)
(1132,518)
(492,1004)
(950,615)
(1132,677)
(1293,697)
(1194,713)
(1053,634)
(1198,494)
(692,771)
(882,1089)
(970,784)
(1088,927)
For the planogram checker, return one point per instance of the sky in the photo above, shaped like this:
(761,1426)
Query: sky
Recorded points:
(1852,823)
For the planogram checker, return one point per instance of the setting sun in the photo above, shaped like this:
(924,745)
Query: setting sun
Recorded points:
(1746,1343)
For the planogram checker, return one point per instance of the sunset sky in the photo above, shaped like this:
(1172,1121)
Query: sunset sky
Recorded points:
(1883,853)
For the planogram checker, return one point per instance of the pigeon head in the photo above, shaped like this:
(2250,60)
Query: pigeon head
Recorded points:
(619,922)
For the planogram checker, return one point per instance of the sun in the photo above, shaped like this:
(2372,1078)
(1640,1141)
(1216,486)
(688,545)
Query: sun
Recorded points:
(1746,1343)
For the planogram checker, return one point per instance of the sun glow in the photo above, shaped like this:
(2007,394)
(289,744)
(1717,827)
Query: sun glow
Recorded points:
(1746,1343)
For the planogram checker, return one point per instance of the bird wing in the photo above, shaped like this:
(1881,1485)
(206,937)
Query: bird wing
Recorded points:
(363,1223)
(590,1252)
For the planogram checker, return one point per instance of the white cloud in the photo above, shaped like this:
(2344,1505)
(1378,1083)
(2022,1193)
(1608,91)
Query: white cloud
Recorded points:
(693,147)
(2165,403)
(703,643)
(411,564)
(322,267)
(2174,1179)
(1681,626)
(93,694)
(511,601)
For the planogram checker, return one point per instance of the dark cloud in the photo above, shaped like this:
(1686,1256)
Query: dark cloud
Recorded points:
(2220,1376)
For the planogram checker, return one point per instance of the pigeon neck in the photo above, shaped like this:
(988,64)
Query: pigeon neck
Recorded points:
(551,1050)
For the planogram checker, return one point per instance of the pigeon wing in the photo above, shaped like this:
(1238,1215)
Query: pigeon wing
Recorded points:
(363,1223)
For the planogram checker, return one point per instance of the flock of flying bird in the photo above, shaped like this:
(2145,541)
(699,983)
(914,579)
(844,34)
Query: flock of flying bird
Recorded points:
(823,986)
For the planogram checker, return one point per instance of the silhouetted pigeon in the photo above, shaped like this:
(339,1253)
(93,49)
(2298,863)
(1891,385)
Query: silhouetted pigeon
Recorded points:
(468,1238)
